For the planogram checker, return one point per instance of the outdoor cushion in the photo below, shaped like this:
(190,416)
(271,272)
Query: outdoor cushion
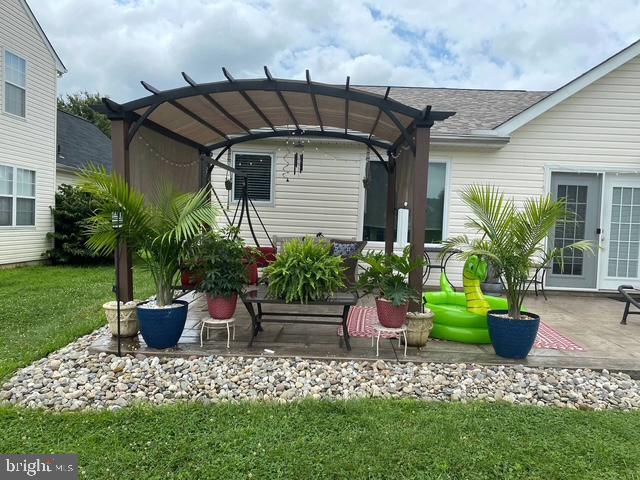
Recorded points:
(345,249)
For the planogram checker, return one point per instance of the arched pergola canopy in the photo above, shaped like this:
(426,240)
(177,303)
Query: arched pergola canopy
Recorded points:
(216,115)
(200,118)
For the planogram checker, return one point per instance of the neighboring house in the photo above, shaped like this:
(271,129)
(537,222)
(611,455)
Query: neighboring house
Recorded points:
(581,142)
(80,143)
(29,71)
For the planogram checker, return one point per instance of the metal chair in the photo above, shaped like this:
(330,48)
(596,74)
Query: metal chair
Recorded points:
(628,292)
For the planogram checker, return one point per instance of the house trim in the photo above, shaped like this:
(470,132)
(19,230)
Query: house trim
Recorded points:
(59,65)
(569,89)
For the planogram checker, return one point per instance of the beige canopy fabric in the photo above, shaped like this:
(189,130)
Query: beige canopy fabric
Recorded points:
(214,115)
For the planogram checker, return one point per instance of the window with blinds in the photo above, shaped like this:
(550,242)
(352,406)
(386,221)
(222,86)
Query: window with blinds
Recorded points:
(259,171)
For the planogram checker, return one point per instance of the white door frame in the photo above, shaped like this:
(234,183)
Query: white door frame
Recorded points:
(601,170)
(622,180)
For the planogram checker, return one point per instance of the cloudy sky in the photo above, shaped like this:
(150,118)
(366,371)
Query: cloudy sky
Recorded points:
(109,45)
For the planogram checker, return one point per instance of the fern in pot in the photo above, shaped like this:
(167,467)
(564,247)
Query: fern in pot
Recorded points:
(305,271)
(386,277)
(157,229)
(513,240)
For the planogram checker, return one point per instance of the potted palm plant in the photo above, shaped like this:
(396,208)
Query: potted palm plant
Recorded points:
(386,276)
(157,229)
(513,240)
(220,262)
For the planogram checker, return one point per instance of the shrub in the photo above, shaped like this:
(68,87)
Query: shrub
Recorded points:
(305,271)
(73,208)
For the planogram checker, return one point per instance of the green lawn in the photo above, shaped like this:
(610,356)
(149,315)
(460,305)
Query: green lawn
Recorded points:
(43,308)
(357,439)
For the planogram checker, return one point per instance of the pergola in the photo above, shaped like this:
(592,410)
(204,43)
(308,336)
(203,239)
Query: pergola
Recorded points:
(201,121)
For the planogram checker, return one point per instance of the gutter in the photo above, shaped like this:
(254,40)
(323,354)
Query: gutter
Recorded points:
(477,138)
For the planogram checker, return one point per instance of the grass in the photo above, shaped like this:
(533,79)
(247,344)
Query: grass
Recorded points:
(44,308)
(356,439)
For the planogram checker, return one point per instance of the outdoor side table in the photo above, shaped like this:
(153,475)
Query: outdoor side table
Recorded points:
(400,332)
(437,262)
(209,323)
(259,297)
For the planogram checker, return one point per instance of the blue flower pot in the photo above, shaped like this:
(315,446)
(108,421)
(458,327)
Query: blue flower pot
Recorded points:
(512,338)
(162,327)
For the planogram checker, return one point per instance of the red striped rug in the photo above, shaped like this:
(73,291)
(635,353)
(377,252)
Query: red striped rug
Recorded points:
(361,320)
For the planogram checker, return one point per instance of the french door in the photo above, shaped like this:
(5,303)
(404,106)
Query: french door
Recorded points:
(581,192)
(621,235)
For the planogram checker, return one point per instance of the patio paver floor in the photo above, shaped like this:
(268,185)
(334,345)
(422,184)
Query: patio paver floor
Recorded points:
(593,321)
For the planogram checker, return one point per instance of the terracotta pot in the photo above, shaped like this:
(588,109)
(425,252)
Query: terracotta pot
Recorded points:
(390,316)
(251,271)
(222,308)
(189,280)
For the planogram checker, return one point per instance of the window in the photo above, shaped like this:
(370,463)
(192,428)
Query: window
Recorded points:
(375,208)
(15,84)
(17,196)
(259,171)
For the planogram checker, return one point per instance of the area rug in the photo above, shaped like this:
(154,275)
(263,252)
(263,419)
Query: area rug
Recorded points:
(361,320)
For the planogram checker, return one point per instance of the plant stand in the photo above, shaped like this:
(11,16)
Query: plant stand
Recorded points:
(209,323)
(400,332)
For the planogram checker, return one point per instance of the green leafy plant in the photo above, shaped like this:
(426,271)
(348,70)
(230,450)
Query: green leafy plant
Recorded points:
(512,238)
(220,261)
(305,271)
(73,208)
(386,275)
(158,229)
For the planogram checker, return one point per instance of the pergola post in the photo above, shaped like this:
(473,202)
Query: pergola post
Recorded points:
(120,165)
(389,226)
(419,177)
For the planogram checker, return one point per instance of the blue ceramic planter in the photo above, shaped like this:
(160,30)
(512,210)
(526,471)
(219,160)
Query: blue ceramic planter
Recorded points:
(162,327)
(512,338)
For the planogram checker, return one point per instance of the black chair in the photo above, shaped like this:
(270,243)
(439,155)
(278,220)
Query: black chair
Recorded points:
(538,280)
(630,296)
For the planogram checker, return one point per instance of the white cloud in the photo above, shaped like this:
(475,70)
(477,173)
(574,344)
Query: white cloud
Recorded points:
(109,46)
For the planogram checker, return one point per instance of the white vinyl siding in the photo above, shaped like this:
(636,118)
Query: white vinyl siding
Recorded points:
(596,128)
(65,177)
(28,143)
(15,84)
(325,198)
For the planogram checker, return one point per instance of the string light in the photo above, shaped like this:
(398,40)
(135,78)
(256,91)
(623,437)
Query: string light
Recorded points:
(165,159)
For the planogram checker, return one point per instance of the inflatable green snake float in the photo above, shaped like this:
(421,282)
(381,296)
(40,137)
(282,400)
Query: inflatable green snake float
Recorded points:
(462,316)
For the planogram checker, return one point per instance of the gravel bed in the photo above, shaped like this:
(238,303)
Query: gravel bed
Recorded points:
(74,379)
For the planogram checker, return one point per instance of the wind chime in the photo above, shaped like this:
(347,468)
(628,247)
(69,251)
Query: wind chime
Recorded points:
(298,157)
(367,169)
(228,184)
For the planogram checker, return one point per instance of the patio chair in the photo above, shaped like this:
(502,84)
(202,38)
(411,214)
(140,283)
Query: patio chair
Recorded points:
(631,296)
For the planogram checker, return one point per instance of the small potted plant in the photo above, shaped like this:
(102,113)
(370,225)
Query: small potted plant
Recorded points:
(512,239)
(386,276)
(220,263)
(305,271)
(157,229)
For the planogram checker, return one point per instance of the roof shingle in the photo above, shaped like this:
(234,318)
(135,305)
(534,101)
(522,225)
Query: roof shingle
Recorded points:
(475,109)
(80,142)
